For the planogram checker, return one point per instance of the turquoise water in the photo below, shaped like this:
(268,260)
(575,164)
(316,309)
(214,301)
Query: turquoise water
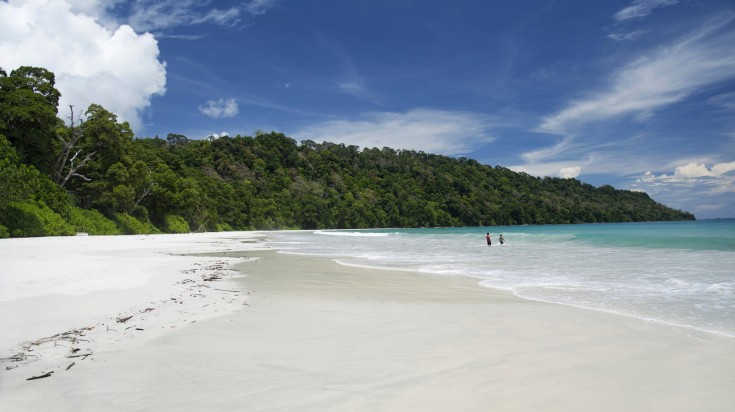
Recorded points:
(679,273)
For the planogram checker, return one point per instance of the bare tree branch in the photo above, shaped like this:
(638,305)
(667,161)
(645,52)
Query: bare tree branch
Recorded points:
(73,169)
(150,184)
(65,168)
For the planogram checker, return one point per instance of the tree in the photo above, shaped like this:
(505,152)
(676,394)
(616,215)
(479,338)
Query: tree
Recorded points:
(109,140)
(28,100)
(104,135)
(267,181)
(18,182)
(176,139)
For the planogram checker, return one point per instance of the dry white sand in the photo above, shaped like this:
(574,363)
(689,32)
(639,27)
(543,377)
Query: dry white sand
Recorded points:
(318,336)
(63,298)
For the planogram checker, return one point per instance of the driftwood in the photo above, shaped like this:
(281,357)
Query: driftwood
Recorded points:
(19,357)
(70,365)
(83,355)
(212,277)
(124,319)
(45,375)
(72,335)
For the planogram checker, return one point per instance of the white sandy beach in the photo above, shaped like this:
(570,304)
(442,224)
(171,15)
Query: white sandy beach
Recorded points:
(306,334)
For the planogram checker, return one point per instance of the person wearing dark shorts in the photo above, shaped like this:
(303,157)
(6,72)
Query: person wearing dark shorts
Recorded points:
(487,237)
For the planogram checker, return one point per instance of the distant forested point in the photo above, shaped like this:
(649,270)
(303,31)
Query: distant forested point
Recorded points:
(91,174)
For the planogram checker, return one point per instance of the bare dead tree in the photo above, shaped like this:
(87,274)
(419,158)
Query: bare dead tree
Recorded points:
(67,165)
(147,188)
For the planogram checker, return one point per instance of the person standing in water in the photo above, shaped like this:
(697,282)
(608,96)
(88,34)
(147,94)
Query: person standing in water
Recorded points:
(501,239)
(487,237)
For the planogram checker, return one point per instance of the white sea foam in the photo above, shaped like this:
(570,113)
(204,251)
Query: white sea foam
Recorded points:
(358,234)
(616,268)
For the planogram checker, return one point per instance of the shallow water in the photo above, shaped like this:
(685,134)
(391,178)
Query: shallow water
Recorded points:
(679,273)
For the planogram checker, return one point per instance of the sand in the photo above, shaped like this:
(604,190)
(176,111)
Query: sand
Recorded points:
(308,334)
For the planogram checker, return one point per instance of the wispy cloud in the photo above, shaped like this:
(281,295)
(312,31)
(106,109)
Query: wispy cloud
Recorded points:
(348,80)
(433,131)
(221,108)
(667,75)
(724,100)
(662,77)
(633,35)
(642,8)
(258,7)
(150,15)
(162,15)
(355,87)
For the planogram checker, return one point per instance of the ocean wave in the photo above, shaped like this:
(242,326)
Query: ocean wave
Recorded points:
(584,266)
(677,283)
(359,234)
(725,288)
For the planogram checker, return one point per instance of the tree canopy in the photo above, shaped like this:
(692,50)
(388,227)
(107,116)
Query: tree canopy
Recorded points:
(95,176)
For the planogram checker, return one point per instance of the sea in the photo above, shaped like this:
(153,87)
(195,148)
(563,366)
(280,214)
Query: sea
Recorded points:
(676,273)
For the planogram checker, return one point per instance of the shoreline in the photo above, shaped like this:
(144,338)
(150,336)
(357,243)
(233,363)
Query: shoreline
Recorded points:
(479,282)
(318,335)
(483,348)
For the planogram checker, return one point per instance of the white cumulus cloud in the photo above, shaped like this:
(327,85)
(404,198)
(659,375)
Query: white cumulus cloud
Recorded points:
(693,169)
(559,168)
(570,172)
(694,186)
(116,68)
(718,177)
(215,136)
(221,108)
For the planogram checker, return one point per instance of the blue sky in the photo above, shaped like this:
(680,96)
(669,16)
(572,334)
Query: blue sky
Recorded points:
(638,94)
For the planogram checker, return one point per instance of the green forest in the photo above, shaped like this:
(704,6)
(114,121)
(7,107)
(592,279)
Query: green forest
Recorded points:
(87,172)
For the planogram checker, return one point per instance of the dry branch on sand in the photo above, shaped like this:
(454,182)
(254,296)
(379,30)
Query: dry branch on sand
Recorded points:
(45,375)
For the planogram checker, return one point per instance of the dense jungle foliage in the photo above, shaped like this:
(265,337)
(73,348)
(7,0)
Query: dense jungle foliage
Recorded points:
(94,176)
